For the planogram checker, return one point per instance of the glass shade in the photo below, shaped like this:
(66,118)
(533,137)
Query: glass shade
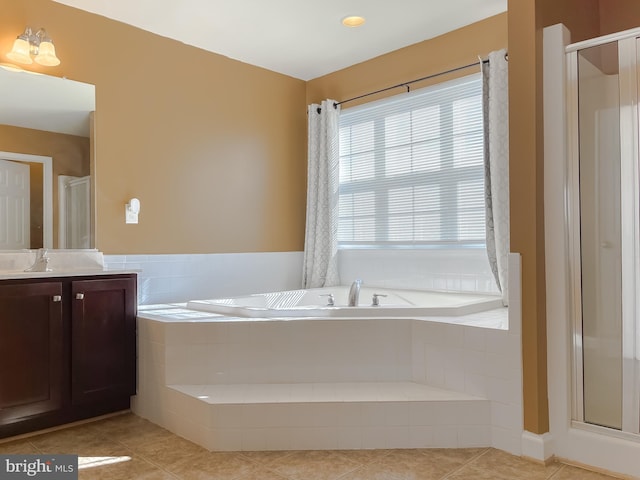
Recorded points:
(20,52)
(47,55)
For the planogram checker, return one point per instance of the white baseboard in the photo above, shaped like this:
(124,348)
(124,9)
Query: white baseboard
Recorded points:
(537,447)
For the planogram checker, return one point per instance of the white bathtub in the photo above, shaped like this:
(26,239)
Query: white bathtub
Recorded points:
(313,303)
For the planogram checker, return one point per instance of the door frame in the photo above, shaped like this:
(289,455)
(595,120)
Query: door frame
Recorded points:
(47,190)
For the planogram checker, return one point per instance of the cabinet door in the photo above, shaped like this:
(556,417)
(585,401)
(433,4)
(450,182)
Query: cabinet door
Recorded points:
(31,350)
(103,365)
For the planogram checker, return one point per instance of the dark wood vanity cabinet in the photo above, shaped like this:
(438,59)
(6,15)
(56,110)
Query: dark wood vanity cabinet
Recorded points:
(103,342)
(67,349)
(31,350)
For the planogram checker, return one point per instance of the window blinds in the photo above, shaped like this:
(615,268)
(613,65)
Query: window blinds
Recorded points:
(411,169)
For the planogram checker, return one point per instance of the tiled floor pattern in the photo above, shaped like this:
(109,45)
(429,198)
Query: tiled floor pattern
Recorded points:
(129,447)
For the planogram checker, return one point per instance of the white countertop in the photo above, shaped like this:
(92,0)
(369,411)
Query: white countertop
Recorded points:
(19,274)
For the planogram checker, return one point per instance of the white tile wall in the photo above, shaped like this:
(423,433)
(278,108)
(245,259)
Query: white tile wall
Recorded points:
(334,424)
(465,270)
(288,351)
(328,415)
(483,365)
(478,361)
(184,277)
(180,278)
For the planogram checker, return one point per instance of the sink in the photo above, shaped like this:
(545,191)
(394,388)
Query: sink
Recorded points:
(61,261)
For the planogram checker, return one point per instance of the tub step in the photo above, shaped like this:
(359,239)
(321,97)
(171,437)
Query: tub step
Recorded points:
(251,393)
(320,416)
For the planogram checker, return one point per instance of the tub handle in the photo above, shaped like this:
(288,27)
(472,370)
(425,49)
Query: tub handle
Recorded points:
(330,300)
(375,301)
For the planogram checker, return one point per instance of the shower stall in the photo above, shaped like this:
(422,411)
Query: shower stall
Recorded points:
(603,216)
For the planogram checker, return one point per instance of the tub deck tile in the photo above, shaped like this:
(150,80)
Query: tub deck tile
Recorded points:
(328,416)
(320,392)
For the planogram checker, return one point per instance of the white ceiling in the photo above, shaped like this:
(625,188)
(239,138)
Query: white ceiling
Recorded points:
(300,38)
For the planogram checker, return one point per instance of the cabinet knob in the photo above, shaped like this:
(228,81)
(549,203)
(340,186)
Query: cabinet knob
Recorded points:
(79,296)
(57,298)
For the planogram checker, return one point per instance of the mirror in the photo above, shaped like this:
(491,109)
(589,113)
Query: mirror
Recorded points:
(46,159)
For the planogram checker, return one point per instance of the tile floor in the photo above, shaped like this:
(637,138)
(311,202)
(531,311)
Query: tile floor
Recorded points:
(129,447)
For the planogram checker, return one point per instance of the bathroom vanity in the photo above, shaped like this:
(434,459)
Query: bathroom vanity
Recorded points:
(67,347)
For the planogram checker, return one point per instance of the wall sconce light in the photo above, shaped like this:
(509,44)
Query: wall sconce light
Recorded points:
(131,211)
(38,45)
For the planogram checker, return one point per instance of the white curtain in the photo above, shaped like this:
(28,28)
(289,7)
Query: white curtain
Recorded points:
(321,235)
(496,114)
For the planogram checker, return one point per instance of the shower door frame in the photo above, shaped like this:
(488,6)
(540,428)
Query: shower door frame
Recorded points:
(629,61)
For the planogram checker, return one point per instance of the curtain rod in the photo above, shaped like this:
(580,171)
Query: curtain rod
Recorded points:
(406,84)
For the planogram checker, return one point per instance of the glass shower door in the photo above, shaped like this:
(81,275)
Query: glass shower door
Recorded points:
(600,237)
(604,217)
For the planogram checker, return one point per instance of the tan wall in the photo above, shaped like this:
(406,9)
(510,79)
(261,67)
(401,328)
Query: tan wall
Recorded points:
(581,17)
(213,148)
(70,156)
(618,15)
(525,184)
(451,50)
(526,177)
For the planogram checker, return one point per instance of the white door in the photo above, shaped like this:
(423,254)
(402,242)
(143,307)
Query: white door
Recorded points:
(14,206)
(74,196)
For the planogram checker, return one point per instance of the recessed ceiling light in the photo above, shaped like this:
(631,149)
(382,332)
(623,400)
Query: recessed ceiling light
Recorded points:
(353,21)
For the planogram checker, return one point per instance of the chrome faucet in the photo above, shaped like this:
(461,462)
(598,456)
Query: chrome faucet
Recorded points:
(331,302)
(375,301)
(354,293)
(42,262)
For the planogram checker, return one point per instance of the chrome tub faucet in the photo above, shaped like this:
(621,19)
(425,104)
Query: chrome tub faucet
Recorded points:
(354,293)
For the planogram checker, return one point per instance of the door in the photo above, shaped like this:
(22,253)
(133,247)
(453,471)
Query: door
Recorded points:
(103,331)
(31,350)
(15,213)
(604,216)
(74,197)
(600,233)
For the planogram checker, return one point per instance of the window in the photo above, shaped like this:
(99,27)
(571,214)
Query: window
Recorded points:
(412,169)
